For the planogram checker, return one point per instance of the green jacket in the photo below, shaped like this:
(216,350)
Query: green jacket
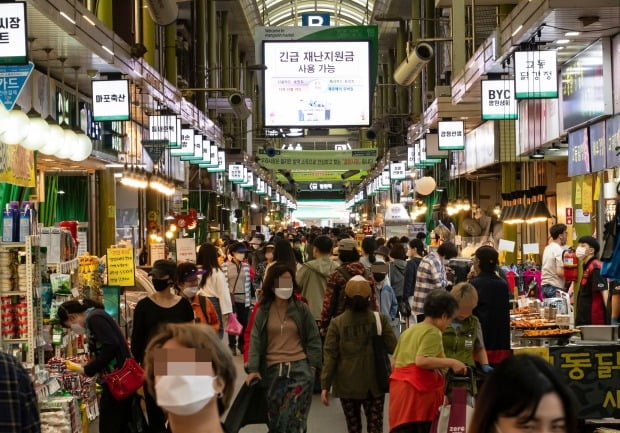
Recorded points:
(308,332)
(462,344)
(312,278)
(348,357)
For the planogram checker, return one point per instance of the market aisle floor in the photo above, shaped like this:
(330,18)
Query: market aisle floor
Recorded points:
(322,419)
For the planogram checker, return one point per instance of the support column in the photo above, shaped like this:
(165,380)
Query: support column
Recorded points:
(509,184)
(459,45)
(171,53)
(105,13)
(401,46)
(107,210)
(148,36)
(225,51)
(416,90)
(391,84)
(212,48)
(201,52)
(236,64)
(429,32)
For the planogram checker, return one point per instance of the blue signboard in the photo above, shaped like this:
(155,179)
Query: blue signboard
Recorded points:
(578,153)
(314,19)
(613,140)
(597,147)
(12,81)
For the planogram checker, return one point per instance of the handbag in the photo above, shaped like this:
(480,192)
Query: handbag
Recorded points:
(233,327)
(383,369)
(404,308)
(126,380)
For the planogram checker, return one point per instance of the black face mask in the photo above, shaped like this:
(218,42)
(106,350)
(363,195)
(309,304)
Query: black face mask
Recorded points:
(160,285)
(378,277)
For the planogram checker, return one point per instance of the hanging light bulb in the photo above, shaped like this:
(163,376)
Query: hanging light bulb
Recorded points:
(37,131)
(84,148)
(497,210)
(69,143)
(466,205)
(54,139)
(18,127)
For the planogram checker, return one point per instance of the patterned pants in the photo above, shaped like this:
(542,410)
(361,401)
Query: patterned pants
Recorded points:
(373,408)
(289,396)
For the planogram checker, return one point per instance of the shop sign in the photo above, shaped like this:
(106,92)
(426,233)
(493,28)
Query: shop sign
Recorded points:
(410,157)
(17,165)
(536,74)
(578,153)
(157,251)
(195,155)
(111,101)
(213,158)
(397,171)
(235,173)
(164,127)
(612,136)
(586,92)
(120,266)
(432,148)
(592,373)
(358,159)
(13,37)
(451,135)
(221,163)
(12,81)
(385,180)
(186,250)
(314,19)
(187,143)
(498,100)
(249,183)
(597,147)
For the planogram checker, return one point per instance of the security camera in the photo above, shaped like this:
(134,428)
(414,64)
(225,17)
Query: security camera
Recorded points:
(92,73)
(410,68)
(138,50)
(238,105)
(371,133)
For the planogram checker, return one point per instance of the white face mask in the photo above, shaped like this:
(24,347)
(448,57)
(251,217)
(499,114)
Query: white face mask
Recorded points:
(580,252)
(184,395)
(284,293)
(78,329)
(190,292)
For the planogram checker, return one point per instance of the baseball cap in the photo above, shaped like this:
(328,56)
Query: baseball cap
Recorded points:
(161,268)
(187,270)
(488,255)
(358,286)
(237,247)
(347,244)
(270,245)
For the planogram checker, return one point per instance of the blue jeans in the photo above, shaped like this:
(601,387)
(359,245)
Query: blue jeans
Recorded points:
(549,291)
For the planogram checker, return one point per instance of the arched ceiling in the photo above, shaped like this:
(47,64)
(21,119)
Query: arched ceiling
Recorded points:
(288,12)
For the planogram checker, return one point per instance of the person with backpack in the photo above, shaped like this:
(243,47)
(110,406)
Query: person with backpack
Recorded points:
(333,300)
(349,360)
(188,283)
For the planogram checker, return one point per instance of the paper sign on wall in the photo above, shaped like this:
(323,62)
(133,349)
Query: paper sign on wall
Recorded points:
(186,250)
(157,252)
(120,266)
(506,245)
(531,249)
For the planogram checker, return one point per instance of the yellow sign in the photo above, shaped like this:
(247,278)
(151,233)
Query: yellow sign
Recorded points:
(542,351)
(586,195)
(320,175)
(121,267)
(17,165)
(356,159)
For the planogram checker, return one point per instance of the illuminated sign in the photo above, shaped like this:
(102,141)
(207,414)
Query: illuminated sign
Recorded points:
(235,173)
(451,135)
(612,135)
(398,171)
(111,100)
(187,143)
(318,83)
(536,74)
(313,19)
(498,100)
(578,153)
(597,147)
(13,47)
(164,128)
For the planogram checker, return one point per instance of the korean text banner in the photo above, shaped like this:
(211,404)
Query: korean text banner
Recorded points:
(17,165)
(317,83)
(360,159)
(578,153)
(597,147)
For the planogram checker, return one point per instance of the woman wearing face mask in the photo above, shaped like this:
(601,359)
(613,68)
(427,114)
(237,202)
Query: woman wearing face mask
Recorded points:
(262,266)
(285,351)
(109,350)
(593,291)
(194,400)
(213,284)
(188,278)
(164,306)
(388,304)
(524,394)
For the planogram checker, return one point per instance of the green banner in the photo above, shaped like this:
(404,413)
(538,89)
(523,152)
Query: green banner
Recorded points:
(338,160)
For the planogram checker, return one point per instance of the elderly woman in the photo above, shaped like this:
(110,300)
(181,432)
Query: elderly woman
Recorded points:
(417,382)
(191,373)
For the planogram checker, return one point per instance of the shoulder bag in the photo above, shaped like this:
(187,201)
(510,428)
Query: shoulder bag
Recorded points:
(382,360)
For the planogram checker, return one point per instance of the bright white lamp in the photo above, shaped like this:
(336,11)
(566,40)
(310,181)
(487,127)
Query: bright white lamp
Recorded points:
(17,129)
(83,149)
(69,144)
(38,129)
(55,139)
(4,118)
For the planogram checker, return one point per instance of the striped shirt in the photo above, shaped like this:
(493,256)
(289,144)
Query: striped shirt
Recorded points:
(431,276)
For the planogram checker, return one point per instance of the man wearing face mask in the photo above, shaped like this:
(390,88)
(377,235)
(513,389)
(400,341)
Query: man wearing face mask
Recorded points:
(552,265)
(164,306)
(188,280)
(593,290)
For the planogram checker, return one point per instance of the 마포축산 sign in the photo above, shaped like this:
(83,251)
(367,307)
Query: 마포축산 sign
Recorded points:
(110,100)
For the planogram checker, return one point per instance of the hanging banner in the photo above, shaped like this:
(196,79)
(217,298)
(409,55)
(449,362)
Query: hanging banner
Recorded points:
(249,183)
(12,81)
(359,159)
(597,147)
(451,135)
(612,136)
(498,100)
(397,171)
(13,37)
(410,157)
(17,165)
(111,101)
(186,250)
(164,128)
(120,266)
(536,74)
(578,153)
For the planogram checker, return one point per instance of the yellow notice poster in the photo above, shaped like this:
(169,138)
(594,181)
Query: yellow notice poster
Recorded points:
(17,165)
(121,267)
(597,189)
(586,195)
(578,186)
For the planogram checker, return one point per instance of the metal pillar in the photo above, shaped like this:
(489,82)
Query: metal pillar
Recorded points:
(459,45)
(416,89)
(212,48)
(429,32)
(171,53)
(148,36)
(401,45)
(201,52)
(236,63)
(105,13)
(107,210)
(225,50)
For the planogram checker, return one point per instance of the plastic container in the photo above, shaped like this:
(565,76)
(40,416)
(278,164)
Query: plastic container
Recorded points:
(599,332)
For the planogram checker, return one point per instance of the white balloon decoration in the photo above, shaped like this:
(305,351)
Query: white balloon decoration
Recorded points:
(83,149)
(17,127)
(4,118)
(68,146)
(38,130)
(55,139)
(425,185)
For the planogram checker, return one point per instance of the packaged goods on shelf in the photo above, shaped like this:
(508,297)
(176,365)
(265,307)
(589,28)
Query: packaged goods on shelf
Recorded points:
(60,414)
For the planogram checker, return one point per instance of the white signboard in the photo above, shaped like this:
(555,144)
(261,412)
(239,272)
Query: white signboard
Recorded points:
(221,163)
(317,83)
(451,135)
(187,143)
(249,183)
(196,155)
(397,171)
(536,74)
(186,250)
(235,173)
(385,180)
(110,100)
(260,186)
(13,47)
(164,128)
(213,161)
(410,157)
(498,100)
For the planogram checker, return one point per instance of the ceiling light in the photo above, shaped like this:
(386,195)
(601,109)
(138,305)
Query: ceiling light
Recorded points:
(107,49)
(537,155)
(88,20)
(560,48)
(517,30)
(60,191)
(562,41)
(67,17)
(571,34)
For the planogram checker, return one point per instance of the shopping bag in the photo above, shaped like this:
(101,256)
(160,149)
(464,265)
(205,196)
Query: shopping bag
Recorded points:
(125,381)
(382,360)
(249,407)
(458,408)
(233,327)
